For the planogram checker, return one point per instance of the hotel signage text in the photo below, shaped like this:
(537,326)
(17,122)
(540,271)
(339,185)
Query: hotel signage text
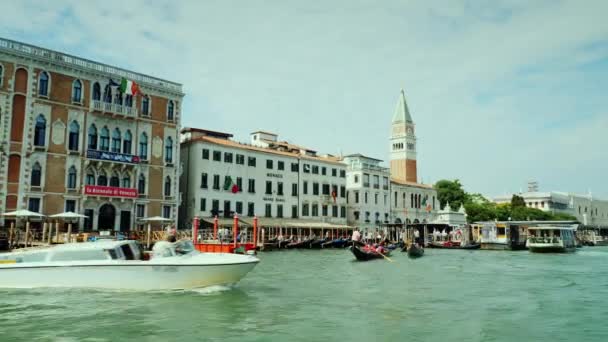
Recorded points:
(112,156)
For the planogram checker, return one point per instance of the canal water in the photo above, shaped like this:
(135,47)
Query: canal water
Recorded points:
(448,295)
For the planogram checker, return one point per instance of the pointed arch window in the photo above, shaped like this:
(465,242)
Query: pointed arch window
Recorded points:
(90,178)
(169,150)
(141,184)
(145,106)
(127,142)
(107,94)
(404,199)
(43,84)
(168,186)
(143,146)
(102,179)
(126,181)
(104,139)
(115,180)
(36,175)
(170,110)
(92,137)
(73,136)
(72,177)
(40,131)
(116,140)
(77,91)
(96,92)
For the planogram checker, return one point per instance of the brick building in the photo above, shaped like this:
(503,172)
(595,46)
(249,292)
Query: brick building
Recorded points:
(71,141)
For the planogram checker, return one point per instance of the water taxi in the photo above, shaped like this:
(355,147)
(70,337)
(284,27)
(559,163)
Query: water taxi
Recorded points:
(122,265)
(551,239)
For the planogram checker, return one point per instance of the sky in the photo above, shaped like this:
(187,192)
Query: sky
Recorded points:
(502,92)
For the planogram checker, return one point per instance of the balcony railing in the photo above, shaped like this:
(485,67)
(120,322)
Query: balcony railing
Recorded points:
(113,108)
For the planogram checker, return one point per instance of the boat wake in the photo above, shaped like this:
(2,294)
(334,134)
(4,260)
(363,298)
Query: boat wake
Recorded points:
(211,290)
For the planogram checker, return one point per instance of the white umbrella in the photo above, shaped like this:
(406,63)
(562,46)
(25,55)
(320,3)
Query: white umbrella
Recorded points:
(68,215)
(26,214)
(153,219)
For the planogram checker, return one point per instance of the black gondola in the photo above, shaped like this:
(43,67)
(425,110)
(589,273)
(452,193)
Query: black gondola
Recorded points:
(451,246)
(363,255)
(317,244)
(413,250)
(284,243)
(299,244)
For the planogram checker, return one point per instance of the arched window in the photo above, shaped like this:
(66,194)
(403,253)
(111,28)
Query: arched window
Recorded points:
(126,143)
(104,139)
(43,84)
(77,91)
(170,110)
(143,146)
(115,180)
(116,140)
(36,175)
(96,92)
(107,94)
(126,181)
(168,186)
(145,106)
(404,197)
(72,178)
(92,137)
(90,180)
(141,184)
(102,179)
(128,100)
(73,136)
(169,150)
(40,131)
(411,200)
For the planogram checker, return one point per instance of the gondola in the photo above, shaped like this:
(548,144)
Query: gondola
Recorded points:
(299,244)
(413,250)
(363,255)
(317,244)
(284,243)
(448,245)
(340,243)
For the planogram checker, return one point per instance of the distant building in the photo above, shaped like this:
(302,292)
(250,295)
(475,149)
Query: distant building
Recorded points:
(378,195)
(588,210)
(70,141)
(266,177)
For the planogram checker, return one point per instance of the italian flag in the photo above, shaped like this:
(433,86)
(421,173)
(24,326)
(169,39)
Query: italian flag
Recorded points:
(128,87)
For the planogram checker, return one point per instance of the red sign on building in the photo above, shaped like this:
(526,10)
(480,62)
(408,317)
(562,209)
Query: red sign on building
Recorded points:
(110,191)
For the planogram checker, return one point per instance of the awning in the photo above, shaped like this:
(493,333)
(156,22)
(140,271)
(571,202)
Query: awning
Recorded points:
(222,222)
(294,223)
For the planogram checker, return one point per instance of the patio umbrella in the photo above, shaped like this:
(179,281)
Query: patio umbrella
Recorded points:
(23,213)
(68,216)
(153,219)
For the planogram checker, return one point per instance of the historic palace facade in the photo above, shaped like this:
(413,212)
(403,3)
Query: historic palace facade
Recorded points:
(81,136)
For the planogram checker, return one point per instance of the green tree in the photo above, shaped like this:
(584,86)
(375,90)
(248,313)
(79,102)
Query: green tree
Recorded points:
(450,192)
(517,201)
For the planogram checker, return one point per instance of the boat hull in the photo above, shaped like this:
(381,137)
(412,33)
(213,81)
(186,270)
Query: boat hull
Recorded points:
(135,276)
(365,256)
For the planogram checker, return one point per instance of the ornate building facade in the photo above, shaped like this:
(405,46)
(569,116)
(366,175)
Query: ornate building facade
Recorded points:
(71,141)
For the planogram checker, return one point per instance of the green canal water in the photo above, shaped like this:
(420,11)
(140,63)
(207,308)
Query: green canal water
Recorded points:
(447,295)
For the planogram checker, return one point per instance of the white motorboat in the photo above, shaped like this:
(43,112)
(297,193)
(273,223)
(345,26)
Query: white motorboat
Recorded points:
(551,239)
(122,265)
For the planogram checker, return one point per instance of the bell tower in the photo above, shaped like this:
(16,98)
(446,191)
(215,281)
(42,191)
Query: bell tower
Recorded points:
(403,144)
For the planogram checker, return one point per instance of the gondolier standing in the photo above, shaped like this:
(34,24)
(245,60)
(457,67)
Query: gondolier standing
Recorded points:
(356,236)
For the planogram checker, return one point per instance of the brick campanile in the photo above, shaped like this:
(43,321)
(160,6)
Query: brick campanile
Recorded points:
(403,144)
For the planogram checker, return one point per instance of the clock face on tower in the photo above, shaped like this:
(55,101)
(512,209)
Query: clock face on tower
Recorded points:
(398,130)
(410,130)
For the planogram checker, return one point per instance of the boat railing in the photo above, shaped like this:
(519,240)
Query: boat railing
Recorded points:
(544,239)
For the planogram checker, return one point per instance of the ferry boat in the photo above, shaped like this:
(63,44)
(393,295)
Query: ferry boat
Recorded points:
(551,239)
(503,236)
(122,265)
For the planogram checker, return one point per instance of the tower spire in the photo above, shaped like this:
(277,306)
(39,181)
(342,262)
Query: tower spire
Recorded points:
(402,112)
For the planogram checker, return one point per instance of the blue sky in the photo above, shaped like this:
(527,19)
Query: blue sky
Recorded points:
(502,92)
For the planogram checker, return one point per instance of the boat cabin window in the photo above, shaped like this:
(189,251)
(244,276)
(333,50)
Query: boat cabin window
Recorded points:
(28,257)
(126,250)
(112,253)
(93,254)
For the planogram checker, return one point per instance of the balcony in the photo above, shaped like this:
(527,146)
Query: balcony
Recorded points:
(366,184)
(113,108)
(376,186)
(113,157)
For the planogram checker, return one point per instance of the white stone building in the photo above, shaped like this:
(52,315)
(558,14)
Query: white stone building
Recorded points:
(587,209)
(267,177)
